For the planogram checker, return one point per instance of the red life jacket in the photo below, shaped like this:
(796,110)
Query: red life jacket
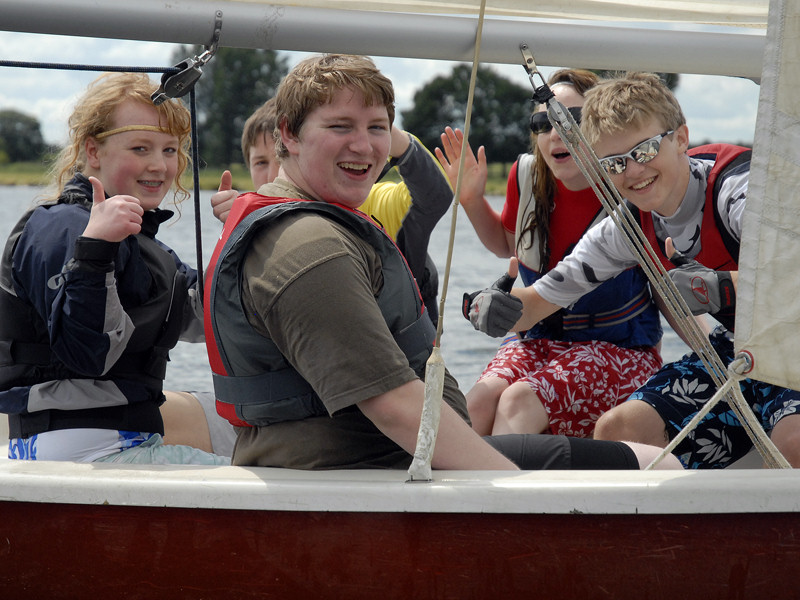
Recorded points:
(718,249)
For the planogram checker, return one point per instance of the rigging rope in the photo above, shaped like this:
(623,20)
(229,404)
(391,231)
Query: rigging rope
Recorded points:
(83,67)
(420,469)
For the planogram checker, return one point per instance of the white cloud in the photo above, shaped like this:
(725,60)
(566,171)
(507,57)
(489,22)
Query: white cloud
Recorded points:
(717,108)
(49,94)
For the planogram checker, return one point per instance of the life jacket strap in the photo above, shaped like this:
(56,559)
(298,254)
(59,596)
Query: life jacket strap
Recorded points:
(631,309)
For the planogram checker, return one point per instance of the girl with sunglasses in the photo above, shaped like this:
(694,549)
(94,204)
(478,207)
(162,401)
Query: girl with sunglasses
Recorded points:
(560,375)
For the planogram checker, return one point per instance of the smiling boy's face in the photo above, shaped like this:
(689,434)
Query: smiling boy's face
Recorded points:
(659,185)
(340,149)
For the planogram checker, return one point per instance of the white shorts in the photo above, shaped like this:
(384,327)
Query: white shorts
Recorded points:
(105,445)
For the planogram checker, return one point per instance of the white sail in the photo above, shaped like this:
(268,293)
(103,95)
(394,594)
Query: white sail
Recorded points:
(768,311)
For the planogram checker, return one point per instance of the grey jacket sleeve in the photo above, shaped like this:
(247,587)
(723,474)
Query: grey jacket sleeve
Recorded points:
(431,197)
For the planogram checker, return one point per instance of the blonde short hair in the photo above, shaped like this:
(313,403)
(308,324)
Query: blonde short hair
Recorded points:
(629,102)
(315,80)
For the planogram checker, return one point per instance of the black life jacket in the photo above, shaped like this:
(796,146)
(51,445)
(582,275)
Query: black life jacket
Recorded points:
(26,358)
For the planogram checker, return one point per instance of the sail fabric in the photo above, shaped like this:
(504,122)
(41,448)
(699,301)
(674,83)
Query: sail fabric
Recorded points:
(745,13)
(768,309)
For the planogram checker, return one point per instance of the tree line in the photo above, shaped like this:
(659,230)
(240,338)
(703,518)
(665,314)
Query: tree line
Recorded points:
(20,137)
(237,81)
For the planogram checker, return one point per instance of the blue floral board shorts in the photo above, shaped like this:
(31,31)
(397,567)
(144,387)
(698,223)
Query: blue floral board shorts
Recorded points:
(681,388)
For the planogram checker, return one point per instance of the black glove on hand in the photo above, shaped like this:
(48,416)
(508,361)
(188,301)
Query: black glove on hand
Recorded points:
(493,310)
(705,290)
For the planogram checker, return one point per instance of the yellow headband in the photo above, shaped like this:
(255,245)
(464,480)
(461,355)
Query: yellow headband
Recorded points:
(105,134)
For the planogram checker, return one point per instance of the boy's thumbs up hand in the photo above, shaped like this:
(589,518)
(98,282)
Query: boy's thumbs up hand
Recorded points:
(222,200)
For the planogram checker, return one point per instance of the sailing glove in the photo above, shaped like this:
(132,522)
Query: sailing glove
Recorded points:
(705,290)
(493,310)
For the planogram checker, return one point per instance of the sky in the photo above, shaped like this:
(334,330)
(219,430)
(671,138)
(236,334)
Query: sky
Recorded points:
(719,109)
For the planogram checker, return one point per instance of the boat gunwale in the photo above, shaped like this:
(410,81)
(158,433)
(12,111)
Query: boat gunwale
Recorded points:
(500,492)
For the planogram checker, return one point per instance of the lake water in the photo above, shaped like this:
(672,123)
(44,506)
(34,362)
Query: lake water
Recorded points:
(466,351)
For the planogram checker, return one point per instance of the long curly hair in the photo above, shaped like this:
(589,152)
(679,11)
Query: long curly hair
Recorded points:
(94,113)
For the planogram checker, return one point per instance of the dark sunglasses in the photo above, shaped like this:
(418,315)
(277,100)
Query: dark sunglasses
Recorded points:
(541,124)
(641,153)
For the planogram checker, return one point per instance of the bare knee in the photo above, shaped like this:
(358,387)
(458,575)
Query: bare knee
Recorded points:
(520,411)
(482,402)
(646,454)
(632,421)
(786,437)
(518,397)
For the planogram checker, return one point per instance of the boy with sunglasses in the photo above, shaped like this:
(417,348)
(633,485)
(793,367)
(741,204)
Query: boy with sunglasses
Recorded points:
(689,200)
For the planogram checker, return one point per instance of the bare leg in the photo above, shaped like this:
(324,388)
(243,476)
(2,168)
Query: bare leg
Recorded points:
(482,402)
(786,436)
(632,421)
(520,411)
(645,454)
(185,421)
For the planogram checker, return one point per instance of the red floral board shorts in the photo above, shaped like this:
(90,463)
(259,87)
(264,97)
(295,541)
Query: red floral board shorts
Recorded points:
(575,381)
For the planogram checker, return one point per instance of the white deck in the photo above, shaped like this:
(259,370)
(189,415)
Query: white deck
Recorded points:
(255,488)
(557,492)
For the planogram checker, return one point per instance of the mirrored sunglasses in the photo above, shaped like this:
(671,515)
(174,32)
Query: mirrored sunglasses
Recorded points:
(641,153)
(541,124)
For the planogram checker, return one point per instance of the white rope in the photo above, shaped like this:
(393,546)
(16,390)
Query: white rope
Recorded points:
(609,196)
(420,469)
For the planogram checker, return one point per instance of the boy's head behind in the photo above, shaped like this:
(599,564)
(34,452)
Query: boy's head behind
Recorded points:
(314,81)
(629,102)
(258,144)
(260,124)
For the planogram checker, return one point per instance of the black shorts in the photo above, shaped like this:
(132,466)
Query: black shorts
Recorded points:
(535,452)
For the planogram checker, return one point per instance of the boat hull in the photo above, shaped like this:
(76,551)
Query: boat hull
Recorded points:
(62,550)
(229,532)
